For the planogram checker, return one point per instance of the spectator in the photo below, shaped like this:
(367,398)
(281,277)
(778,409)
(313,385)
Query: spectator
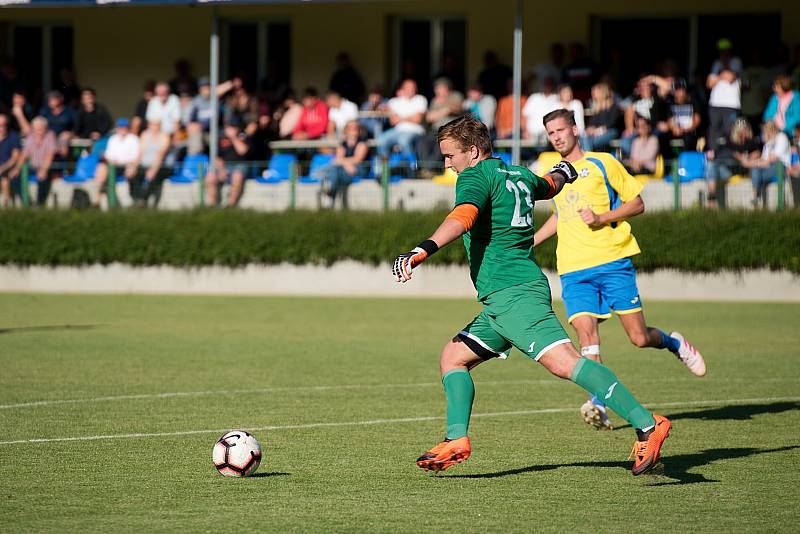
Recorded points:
(201,105)
(164,108)
(553,69)
(122,153)
(60,119)
(93,120)
(755,82)
(153,147)
(481,106)
(183,82)
(40,150)
(377,104)
(231,164)
(313,122)
(537,106)
(685,116)
(568,101)
(451,69)
(784,105)
(724,103)
(340,112)
(68,87)
(265,131)
(794,169)
(21,114)
(495,76)
(603,122)
(140,112)
(186,100)
(581,72)
(776,152)
(444,107)
(647,104)
(504,118)
(9,153)
(644,149)
(288,115)
(728,159)
(350,161)
(406,114)
(346,80)
(242,108)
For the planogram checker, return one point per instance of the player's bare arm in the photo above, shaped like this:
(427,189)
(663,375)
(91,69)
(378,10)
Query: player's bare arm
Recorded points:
(547,230)
(625,211)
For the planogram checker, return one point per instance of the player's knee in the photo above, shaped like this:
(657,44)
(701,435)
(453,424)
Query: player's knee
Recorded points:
(454,355)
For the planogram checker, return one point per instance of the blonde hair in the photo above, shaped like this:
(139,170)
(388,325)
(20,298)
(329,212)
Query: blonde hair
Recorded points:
(741,131)
(769,131)
(606,99)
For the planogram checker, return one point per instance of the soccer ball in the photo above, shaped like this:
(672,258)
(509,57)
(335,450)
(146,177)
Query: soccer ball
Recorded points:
(236,454)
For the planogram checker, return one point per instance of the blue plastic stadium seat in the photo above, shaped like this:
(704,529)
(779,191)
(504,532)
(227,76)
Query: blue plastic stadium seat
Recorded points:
(691,166)
(278,170)
(318,161)
(84,170)
(401,166)
(189,169)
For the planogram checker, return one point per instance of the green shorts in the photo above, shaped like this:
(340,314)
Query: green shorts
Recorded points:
(521,316)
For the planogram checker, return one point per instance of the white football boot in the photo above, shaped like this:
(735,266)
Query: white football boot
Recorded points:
(690,356)
(596,416)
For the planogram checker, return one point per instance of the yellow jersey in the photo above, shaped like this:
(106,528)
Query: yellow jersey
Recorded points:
(603,184)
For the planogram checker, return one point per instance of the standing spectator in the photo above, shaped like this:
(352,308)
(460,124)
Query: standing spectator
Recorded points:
(9,153)
(164,108)
(481,106)
(231,164)
(350,161)
(776,152)
(495,76)
(644,149)
(581,72)
(602,126)
(346,80)
(685,116)
(784,105)
(340,112)
(153,147)
(60,119)
(444,107)
(140,112)
(40,150)
(504,118)
(93,120)
(728,159)
(537,106)
(313,122)
(647,104)
(183,80)
(288,115)
(724,103)
(68,87)
(122,153)
(406,113)
(21,114)
(375,103)
(568,101)
(554,68)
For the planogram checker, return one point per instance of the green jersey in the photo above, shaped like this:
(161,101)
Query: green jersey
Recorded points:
(500,243)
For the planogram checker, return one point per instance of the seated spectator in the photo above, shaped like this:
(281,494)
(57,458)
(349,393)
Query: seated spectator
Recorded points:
(122,153)
(444,107)
(186,99)
(537,106)
(164,108)
(728,159)
(776,152)
(481,106)
(288,115)
(504,118)
(140,112)
(151,173)
(644,149)
(350,161)
(794,169)
(603,121)
(684,117)
(9,153)
(783,107)
(406,114)
(201,105)
(231,165)
(265,132)
(340,112)
(241,108)
(568,101)
(647,104)
(93,120)
(377,104)
(41,148)
(61,121)
(21,114)
(313,122)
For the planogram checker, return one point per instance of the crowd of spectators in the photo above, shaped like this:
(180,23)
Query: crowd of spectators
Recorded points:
(664,113)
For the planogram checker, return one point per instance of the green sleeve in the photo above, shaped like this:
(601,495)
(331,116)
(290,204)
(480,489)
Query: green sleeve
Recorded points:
(541,187)
(472,188)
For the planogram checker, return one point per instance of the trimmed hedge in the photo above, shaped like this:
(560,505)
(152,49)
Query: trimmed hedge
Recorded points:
(700,241)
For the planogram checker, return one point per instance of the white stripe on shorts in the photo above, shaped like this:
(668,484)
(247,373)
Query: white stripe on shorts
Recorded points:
(550,346)
(501,355)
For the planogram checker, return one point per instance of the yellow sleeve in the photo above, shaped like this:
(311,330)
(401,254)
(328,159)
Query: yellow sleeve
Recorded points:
(620,179)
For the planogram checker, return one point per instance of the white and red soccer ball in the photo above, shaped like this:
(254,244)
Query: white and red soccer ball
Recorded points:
(236,454)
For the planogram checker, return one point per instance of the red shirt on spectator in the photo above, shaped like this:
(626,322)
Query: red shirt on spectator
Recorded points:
(313,122)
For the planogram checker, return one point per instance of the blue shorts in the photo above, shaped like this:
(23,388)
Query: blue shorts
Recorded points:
(597,291)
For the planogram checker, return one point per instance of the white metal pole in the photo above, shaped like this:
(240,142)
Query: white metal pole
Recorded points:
(214,75)
(517,83)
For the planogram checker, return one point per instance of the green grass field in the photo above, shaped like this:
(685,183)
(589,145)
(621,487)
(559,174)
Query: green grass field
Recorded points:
(129,393)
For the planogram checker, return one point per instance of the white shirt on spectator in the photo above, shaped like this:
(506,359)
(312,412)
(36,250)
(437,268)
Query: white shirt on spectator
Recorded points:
(168,113)
(576,107)
(536,107)
(726,94)
(346,112)
(407,107)
(122,150)
(779,147)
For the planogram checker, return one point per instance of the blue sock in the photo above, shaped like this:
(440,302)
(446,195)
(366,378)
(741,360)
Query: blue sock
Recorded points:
(668,342)
(597,402)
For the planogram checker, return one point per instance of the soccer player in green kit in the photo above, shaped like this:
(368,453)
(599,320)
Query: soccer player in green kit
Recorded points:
(494,214)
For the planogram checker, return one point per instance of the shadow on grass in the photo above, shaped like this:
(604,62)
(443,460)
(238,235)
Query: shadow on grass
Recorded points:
(47,328)
(674,467)
(272,474)
(736,412)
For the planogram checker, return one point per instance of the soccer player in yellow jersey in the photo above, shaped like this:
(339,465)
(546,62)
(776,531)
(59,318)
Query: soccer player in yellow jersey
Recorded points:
(595,245)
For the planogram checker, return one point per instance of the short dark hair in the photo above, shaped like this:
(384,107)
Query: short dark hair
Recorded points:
(310,92)
(89,90)
(467,131)
(562,113)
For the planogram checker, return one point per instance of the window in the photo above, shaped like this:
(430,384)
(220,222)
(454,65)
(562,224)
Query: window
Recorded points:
(43,57)
(258,51)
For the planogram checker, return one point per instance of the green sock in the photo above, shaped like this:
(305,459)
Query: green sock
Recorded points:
(601,381)
(460,391)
